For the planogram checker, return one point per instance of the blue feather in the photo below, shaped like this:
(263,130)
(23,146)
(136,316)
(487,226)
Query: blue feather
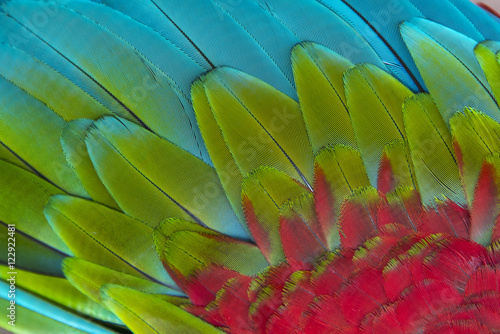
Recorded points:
(15,34)
(178,67)
(211,32)
(381,29)
(311,21)
(447,14)
(488,26)
(139,86)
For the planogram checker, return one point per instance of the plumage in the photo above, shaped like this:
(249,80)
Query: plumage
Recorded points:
(256,166)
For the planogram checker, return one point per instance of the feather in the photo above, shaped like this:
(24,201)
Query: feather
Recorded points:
(447,14)
(437,48)
(358,219)
(318,76)
(203,286)
(264,191)
(435,165)
(220,33)
(188,251)
(264,131)
(396,168)
(48,86)
(137,84)
(31,130)
(149,177)
(379,27)
(474,137)
(364,295)
(17,35)
(150,14)
(230,174)
(487,55)
(383,96)
(36,256)
(404,207)
(485,279)
(485,207)
(103,238)
(486,24)
(150,314)
(23,196)
(233,299)
(311,21)
(447,217)
(74,148)
(42,315)
(59,290)
(89,278)
(179,69)
(337,172)
(301,235)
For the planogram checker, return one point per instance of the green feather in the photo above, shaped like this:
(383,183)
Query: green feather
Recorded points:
(475,136)
(35,256)
(431,149)
(144,313)
(375,100)
(89,278)
(264,191)
(48,86)
(22,198)
(487,56)
(229,172)
(152,179)
(189,251)
(460,82)
(31,130)
(107,237)
(261,126)
(343,171)
(318,75)
(60,291)
(74,147)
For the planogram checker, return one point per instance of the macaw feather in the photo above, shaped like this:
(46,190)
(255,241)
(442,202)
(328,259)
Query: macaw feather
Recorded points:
(435,165)
(318,76)
(96,239)
(89,278)
(264,191)
(338,172)
(383,96)
(435,47)
(75,150)
(146,314)
(61,291)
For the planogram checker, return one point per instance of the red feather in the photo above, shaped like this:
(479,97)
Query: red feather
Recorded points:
(363,294)
(385,179)
(202,287)
(299,242)
(485,208)
(333,273)
(448,217)
(234,304)
(259,234)
(358,220)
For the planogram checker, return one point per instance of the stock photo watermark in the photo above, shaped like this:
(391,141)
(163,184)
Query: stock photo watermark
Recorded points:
(11,262)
